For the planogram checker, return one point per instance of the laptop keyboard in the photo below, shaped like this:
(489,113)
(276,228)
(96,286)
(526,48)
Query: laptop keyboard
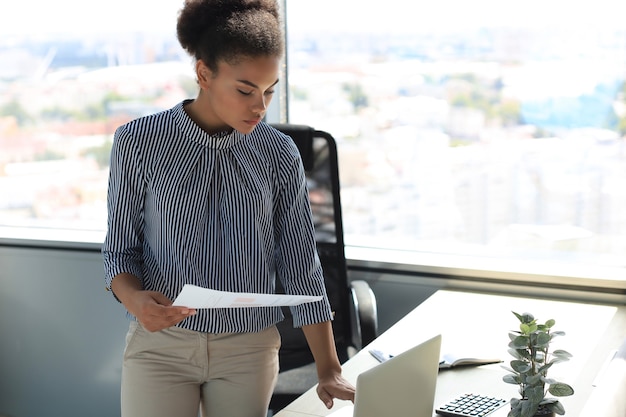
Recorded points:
(471,405)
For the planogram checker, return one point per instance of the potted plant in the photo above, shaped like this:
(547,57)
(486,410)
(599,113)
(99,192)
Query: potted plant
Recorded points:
(532,358)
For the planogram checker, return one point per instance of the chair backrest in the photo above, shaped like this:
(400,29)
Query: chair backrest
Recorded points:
(319,156)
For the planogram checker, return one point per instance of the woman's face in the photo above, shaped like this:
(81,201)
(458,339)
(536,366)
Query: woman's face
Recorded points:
(237,96)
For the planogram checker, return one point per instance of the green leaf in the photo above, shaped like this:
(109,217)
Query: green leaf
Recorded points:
(562,353)
(543,339)
(535,380)
(550,323)
(511,379)
(516,408)
(556,407)
(520,366)
(543,369)
(548,400)
(506,368)
(515,353)
(558,359)
(524,353)
(560,390)
(528,408)
(524,318)
(535,394)
(520,342)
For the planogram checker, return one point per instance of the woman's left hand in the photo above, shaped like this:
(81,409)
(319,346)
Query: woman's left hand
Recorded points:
(334,386)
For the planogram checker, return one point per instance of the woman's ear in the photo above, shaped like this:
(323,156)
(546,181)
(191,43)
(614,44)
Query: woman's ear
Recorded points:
(203,74)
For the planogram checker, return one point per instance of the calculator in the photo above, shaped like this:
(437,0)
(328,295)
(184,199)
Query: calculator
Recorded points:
(471,405)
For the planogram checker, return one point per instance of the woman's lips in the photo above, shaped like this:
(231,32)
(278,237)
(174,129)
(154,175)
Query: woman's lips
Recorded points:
(253,122)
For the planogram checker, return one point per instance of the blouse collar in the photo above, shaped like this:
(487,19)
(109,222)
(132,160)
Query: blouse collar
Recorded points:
(221,140)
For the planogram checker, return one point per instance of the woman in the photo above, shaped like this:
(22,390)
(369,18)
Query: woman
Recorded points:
(207,194)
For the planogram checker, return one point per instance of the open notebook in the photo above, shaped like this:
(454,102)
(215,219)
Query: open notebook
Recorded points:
(447,360)
(452,360)
(403,386)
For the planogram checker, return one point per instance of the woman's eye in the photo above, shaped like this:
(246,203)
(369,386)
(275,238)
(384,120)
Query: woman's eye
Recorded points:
(245,93)
(269,92)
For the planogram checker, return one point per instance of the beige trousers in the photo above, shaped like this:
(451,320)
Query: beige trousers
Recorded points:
(177,372)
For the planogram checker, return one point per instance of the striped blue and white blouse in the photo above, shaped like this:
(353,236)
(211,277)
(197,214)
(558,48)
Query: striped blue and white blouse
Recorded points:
(227,212)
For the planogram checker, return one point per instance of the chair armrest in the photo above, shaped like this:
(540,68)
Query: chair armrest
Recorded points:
(365,312)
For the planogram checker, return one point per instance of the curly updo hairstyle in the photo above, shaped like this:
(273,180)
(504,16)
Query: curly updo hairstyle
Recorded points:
(229,30)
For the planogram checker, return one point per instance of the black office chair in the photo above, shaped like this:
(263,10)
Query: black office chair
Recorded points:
(355,321)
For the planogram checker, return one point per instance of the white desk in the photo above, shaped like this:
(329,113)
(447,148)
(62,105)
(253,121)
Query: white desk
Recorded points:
(479,324)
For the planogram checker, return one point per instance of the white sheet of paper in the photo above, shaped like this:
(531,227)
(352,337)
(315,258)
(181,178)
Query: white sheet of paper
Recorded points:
(193,296)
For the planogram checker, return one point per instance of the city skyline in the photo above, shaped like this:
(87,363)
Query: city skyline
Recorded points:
(425,125)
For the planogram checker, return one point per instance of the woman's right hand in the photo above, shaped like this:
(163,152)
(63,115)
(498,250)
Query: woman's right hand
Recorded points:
(152,309)
(155,311)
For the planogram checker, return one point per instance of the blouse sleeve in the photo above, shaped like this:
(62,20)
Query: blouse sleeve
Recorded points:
(298,265)
(122,248)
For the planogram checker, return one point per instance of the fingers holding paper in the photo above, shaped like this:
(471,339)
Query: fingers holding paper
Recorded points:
(152,309)
(155,312)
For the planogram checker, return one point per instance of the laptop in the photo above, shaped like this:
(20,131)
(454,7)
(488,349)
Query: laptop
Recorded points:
(403,386)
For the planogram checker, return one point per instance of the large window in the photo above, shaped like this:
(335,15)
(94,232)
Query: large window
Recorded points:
(70,73)
(471,128)
(464,128)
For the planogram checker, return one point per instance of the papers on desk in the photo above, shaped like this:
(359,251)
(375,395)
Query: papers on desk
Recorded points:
(193,296)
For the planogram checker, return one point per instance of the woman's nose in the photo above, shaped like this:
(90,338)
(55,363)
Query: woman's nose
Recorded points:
(260,105)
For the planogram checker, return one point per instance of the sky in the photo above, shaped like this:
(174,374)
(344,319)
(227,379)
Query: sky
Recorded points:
(410,15)
(85,16)
(44,16)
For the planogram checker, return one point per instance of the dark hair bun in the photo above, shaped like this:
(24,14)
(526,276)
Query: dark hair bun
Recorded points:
(199,17)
